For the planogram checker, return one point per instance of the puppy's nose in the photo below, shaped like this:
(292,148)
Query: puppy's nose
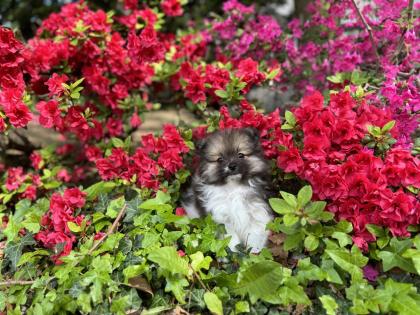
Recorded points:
(232,166)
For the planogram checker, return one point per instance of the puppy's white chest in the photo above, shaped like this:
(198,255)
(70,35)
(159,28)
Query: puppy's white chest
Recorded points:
(241,210)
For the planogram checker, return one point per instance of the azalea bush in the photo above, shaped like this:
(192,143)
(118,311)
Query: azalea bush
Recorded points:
(93,224)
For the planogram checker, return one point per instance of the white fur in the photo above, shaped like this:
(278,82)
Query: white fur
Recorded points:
(237,206)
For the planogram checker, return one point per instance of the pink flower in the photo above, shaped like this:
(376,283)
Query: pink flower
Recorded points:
(172,7)
(55,84)
(74,197)
(180,212)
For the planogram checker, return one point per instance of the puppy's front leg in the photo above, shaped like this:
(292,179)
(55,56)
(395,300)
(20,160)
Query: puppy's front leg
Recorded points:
(257,237)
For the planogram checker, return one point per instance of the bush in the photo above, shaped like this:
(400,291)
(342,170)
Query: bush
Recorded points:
(94,224)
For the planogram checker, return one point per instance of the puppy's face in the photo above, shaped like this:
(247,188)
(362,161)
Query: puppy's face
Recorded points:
(231,154)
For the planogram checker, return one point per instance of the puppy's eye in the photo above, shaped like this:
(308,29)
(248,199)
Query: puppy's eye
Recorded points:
(219,160)
(241,155)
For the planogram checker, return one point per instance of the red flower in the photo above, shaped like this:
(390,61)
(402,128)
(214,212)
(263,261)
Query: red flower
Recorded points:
(36,160)
(74,198)
(55,84)
(172,7)
(18,114)
(180,212)
(50,114)
(170,161)
(290,160)
(248,73)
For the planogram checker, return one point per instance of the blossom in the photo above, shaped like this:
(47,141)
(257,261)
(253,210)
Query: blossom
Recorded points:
(55,84)
(172,7)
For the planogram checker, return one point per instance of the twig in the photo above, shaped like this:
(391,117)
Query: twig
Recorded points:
(198,278)
(110,230)
(409,24)
(16,282)
(369,30)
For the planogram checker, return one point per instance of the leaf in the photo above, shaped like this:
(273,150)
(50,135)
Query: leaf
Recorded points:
(391,260)
(304,195)
(388,126)
(32,256)
(289,198)
(241,307)
(213,303)
(176,284)
(314,209)
(133,271)
(272,74)
(198,261)
(259,280)
(337,78)
(167,258)
(98,188)
(292,241)
(114,207)
(141,284)
(280,206)
(311,243)
(117,143)
(221,93)
(290,118)
(13,250)
(329,304)
(343,238)
(160,202)
(12,229)
(290,219)
(350,262)
(74,227)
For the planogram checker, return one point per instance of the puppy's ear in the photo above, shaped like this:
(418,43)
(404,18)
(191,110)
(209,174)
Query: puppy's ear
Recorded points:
(200,145)
(253,133)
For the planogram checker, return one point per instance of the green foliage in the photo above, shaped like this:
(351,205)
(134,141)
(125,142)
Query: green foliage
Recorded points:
(157,261)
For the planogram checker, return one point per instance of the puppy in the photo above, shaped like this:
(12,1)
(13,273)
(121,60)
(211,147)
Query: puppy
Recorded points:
(232,183)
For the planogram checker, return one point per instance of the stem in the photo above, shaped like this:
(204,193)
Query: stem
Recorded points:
(16,282)
(410,16)
(110,230)
(369,30)
(198,278)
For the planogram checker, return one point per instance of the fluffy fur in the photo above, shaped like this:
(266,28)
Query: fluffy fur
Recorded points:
(232,183)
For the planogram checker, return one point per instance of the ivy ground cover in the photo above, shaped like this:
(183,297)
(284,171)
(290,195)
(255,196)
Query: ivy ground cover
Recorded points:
(93,224)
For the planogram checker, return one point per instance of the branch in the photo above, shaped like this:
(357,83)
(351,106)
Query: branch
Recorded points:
(369,30)
(110,230)
(410,16)
(198,278)
(16,282)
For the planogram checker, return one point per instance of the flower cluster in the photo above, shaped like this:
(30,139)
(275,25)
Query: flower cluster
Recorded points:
(23,184)
(56,233)
(157,157)
(360,187)
(12,85)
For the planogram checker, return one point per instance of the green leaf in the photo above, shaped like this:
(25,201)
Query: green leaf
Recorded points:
(160,202)
(280,206)
(289,198)
(115,206)
(337,78)
(391,260)
(293,241)
(304,195)
(314,209)
(388,126)
(213,303)
(32,256)
(259,280)
(176,284)
(350,262)
(12,229)
(221,94)
(290,118)
(13,250)
(329,304)
(74,227)
(343,238)
(198,261)
(117,143)
(241,307)
(272,74)
(311,243)
(167,258)
(99,188)
(290,219)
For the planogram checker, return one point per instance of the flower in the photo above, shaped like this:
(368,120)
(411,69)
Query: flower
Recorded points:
(172,7)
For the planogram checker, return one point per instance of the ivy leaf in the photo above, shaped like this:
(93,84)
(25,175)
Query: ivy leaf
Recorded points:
(160,202)
(96,189)
(167,258)
(329,304)
(213,303)
(12,229)
(198,262)
(259,280)
(114,207)
(13,250)
(176,284)
(241,307)
(350,262)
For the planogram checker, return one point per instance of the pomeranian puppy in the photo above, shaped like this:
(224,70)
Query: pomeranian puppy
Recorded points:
(232,183)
